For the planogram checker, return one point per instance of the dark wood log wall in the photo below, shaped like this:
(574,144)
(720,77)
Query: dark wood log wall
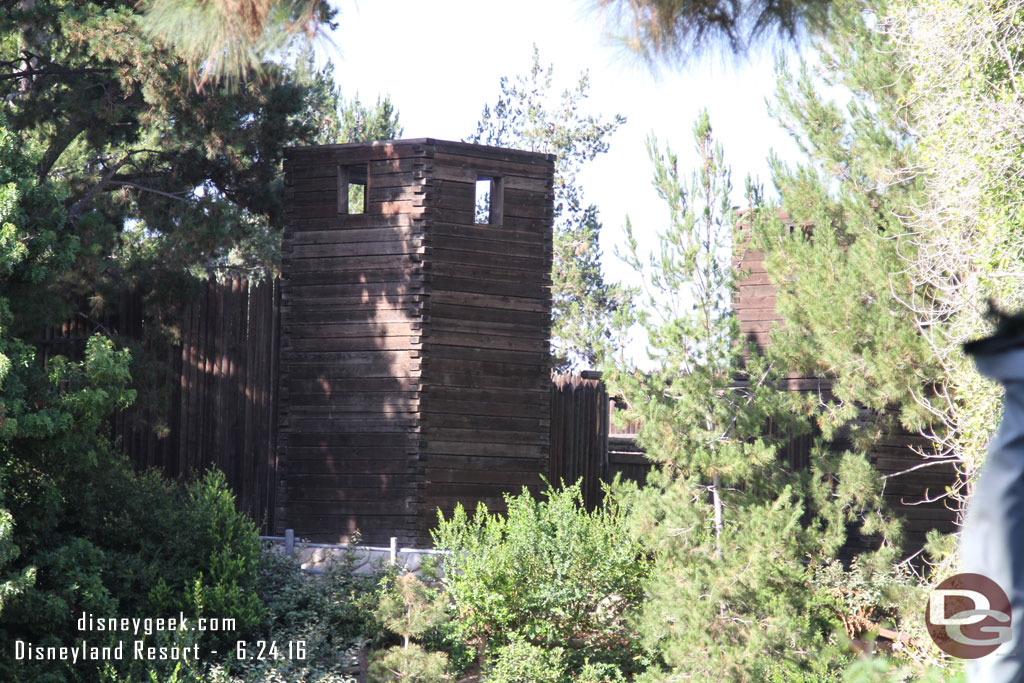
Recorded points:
(209,400)
(414,358)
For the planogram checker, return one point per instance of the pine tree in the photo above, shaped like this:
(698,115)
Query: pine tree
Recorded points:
(156,181)
(221,41)
(411,609)
(843,285)
(731,525)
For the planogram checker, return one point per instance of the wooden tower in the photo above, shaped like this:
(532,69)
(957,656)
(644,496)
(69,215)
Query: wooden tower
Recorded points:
(415,324)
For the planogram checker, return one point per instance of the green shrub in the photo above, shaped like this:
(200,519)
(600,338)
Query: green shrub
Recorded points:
(131,545)
(409,664)
(548,573)
(522,662)
(331,614)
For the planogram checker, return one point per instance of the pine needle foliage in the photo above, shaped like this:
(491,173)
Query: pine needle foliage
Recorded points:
(674,32)
(530,115)
(732,526)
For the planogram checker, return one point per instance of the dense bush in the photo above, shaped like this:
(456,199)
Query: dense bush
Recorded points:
(549,574)
(128,545)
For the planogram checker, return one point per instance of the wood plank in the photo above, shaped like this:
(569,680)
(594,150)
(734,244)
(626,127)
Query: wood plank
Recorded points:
(342,344)
(378,481)
(293,291)
(533,275)
(478,327)
(529,290)
(491,233)
(321,464)
(382,303)
(358,268)
(326,179)
(327,278)
(439,477)
(348,314)
(494,301)
(476,380)
(433,462)
(387,402)
(534,319)
(485,355)
(445,164)
(480,248)
(299,171)
(357,422)
(368,252)
(464,149)
(498,258)
(438,337)
(453,215)
(371,384)
(482,442)
(400,165)
(295,360)
(347,330)
(361,221)
(349,153)
(416,193)
(431,406)
(443,421)
(347,440)
(363,509)
(302,495)
(328,371)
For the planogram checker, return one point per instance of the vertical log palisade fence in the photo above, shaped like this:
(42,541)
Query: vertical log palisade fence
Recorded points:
(212,402)
(209,400)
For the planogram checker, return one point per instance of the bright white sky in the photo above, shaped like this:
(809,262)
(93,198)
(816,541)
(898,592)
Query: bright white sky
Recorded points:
(441,62)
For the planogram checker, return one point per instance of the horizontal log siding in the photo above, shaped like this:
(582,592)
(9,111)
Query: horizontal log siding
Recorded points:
(415,361)
(486,359)
(352,312)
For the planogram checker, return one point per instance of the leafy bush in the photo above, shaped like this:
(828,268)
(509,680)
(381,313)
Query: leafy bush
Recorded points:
(547,573)
(522,662)
(124,544)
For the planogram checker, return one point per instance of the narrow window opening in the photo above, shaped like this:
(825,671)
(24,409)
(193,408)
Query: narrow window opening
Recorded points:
(353,189)
(487,202)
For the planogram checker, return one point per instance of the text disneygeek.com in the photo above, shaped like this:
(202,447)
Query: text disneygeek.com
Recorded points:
(137,648)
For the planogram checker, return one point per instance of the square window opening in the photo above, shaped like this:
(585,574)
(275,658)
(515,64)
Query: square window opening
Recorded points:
(487,203)
(353,189)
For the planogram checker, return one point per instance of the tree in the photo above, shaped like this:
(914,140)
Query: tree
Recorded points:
(872,297)
(524,117)
(842,282)
(411,609)
(674,31)
(730,524)
(224,40)
(964,57)
(156,180)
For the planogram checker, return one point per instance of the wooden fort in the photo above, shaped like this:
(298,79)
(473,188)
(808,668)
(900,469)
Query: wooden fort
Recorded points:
(415,324)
